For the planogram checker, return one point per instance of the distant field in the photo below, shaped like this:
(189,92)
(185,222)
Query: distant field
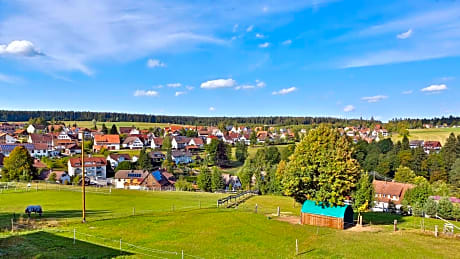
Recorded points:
(429,134)
(139,125)
(204,233)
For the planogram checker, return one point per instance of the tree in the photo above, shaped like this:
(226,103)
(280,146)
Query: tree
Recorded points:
(52,177)
(204,179)
(241,152)
(144,162)
(454,174)
(216,179)
(418,158)
(76,179)
(124,165)
(104,129)
(431,207)
(94,122)
(364,196)
(445,208)
(18,165)
(217,151)
(449,151)
(405,143)
(419,193)
(183,185)
(321,168)
(245,174)
(253,137)
(113,129)
(404,175)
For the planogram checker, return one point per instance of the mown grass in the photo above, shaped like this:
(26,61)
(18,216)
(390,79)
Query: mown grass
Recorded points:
(210,232)
(440,134)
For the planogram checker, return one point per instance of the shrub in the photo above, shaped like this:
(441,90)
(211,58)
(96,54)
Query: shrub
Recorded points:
(431,207)
(445,208)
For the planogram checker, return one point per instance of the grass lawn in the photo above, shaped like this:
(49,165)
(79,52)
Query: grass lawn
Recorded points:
(429,134)
(207,233)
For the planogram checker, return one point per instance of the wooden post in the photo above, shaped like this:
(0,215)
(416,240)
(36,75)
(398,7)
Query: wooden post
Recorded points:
(296,247)
(436,230)
(74,236)
(120,246)
(278,212)
(182,254)
(256,208)
(12,225)
(395,225)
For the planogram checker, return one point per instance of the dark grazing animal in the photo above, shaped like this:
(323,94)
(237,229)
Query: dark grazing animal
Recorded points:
(34,208)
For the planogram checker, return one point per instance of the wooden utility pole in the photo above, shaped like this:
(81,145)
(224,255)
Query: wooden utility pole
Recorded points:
(83,178)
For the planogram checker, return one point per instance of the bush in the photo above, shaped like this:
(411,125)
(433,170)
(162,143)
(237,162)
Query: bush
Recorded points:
(183,185)
(417,209)
(445,208)
(431,207)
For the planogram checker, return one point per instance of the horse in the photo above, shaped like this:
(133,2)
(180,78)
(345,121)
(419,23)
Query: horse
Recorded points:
(34,208)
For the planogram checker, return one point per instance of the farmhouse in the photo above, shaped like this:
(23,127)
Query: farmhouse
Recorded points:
(389,195)
(157,181)
(432,146)
(35,150)
(339,217)
(130,179)
(47,139)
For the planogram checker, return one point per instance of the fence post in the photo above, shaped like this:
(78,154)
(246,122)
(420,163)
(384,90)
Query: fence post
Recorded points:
(12,225)
(436,230)
(74,236)
(182,254)
(110,191)
(36,187)
(395,225)
(120,246)
(217,203)
(256,208)
(296,247)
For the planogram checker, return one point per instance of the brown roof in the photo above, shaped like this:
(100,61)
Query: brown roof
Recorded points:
(391,188)
(117,156)
(89,161)
(158,141)
(198,141)
(126,130)
(107,139)
(41,138)
(130,140)
(131,174)
(39,164)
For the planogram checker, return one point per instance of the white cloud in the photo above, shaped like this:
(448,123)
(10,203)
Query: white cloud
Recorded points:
(179,93)
(404,35)
(407,92)
(286,42)
(265,9)
(152,63)
(284,91)
(211,109)
(235,27)
(158,86)
(434,88)
(174,85)
(264,45)
(250,28)
(447,78)
(189,87)
(218,83)
(9,79)
(20,48)
(244,87)
(145,93)
(260,84)
(374,99)
(349,108)
(260,36)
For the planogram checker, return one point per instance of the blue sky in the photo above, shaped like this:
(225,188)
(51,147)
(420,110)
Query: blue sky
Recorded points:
(355,58)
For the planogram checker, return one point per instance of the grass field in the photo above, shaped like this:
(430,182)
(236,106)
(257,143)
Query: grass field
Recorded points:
(206,233)
(139,125)
(429,134)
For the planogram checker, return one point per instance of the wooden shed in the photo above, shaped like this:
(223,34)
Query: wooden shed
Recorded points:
(339,217)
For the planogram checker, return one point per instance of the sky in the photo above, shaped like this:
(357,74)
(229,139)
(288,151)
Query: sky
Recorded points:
(347,59)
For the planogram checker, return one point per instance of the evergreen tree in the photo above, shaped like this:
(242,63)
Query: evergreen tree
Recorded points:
(113,129)
(363,198)
(322,168)
(445,208)
(245,174)
(104,129)
(454,174)
(204,179)
(144,162)
(253,137)
(449,151)
(241,151)
(405,143)
(216,179)
(431,207)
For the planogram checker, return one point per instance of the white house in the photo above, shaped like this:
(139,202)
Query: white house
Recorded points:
(115,159)
(196,142)
(95,167)
(109,142)
(389,195)
(132,142)
(131,179)
(232,180)
(179,142)
(6,138)
(156,143)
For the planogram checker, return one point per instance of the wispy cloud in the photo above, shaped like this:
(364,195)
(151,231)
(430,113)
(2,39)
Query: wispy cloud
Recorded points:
(374,99)
(211,109)
(235,27)
(349,108)
(179,93)
(264,45)
(250,28)
(434,88)
(260,83)
(260,36)
(152,63)
(404,35)
(174,85)
(284,91)
(189,87)
(286,42)
(407,92)
(9,79)
(218,83)
(138,93)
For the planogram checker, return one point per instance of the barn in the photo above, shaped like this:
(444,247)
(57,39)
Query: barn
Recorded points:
(339,217)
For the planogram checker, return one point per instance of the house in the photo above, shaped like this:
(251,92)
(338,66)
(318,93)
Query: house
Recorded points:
(196,142)
(115,159)
(179,142)
(262,136)
(432,146)
(47,139)
(416,143)
(35,128)
(133,143)
(232,182)
(35,150)
(181,157)
(157,156)
(389,195)
(157,181)
(339,217)
(129,130)
(63,135)
(61,176)
(210,138)
(156,143)
(109,142)
(6,138)
(129,179)
(83,133)
(72,150)
(7,128)
(95,167)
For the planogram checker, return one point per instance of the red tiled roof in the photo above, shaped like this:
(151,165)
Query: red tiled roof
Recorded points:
(392,189)
(107,139)
(89,161)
